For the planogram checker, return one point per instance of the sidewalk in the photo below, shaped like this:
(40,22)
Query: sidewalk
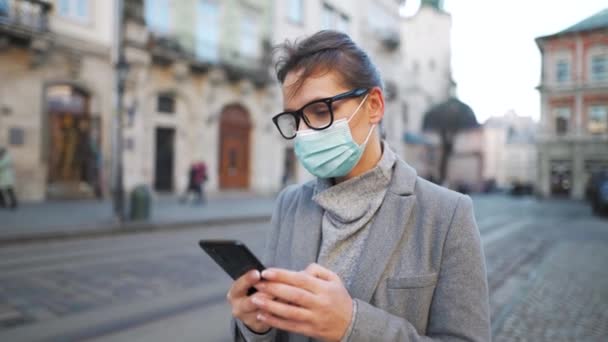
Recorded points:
(58,219)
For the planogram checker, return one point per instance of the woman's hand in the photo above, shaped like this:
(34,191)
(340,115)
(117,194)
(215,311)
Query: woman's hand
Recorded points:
(313,302)
(242,305)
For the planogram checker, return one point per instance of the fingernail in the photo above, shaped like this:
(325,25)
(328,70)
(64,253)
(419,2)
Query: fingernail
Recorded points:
(256,275)
(256,301)
(261,317)
(267,274)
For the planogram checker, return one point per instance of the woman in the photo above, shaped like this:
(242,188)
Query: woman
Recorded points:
(368,251)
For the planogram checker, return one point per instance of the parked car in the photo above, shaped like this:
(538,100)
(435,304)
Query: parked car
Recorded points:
(521,189)
(596,192)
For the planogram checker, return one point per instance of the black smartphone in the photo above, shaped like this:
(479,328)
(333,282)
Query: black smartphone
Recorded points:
(233,256)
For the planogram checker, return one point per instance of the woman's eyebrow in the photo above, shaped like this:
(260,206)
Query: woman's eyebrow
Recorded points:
(313,99)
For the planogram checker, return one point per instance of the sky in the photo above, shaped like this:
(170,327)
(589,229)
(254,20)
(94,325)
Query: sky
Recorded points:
(495,61)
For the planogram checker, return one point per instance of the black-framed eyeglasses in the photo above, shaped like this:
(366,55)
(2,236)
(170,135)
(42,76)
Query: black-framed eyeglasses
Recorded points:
(317,114)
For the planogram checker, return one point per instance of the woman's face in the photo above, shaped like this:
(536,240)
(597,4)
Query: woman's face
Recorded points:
(326,85)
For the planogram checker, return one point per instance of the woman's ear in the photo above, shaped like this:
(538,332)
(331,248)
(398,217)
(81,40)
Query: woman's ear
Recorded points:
(375,105)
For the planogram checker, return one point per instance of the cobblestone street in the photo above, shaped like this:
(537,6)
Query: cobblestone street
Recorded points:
(546,270)
(548,279)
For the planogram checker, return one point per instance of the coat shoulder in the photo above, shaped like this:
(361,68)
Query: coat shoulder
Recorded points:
(291,194)
(435,193)
(438,201)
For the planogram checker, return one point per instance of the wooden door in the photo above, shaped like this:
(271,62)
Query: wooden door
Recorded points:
(69,145)
(235,133)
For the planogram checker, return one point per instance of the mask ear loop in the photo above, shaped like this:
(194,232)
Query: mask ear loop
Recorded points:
(357,110)
(369,135)
(355,113)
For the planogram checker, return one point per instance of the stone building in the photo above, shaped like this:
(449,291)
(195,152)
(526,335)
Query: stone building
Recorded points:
(56,95)
(509,150)
(199,89)
(465,167)
(426,81)
(573,140)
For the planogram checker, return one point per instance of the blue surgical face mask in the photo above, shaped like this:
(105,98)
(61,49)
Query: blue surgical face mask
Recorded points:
(331,152)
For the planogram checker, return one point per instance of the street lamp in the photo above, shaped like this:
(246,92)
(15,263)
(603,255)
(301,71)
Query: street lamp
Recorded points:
(122,72)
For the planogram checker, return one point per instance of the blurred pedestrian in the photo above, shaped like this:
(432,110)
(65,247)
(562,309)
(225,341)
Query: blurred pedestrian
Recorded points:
(197,175)
(8,199)
(202,179)
(368,251)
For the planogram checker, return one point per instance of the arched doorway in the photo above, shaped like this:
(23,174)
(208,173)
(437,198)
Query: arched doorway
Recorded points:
(235,136)
(74,140)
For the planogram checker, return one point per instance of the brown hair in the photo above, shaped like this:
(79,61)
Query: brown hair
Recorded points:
(326,51)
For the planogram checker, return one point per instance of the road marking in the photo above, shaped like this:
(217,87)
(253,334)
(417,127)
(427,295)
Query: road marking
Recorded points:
(489,223)
(507,229)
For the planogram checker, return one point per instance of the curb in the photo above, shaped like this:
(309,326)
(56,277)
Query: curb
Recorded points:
(130,228)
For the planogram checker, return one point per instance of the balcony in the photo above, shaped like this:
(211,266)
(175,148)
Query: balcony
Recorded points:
(24,19)
(166,49)
(202,55)
(239,65)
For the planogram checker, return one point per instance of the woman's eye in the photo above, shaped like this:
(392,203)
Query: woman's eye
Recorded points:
(335,106)
(318,110)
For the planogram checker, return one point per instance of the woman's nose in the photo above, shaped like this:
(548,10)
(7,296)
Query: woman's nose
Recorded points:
(302,125)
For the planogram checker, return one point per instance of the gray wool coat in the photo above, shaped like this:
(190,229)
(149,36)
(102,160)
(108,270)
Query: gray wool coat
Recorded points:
(423,275)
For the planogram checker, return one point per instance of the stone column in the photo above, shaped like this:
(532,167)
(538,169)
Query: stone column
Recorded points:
(578,171)
(543,173)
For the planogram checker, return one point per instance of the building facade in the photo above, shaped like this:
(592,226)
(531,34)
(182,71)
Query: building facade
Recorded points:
(466,164)
(426,82)
(573,140)
(509,149)
(56,95)
(199,89)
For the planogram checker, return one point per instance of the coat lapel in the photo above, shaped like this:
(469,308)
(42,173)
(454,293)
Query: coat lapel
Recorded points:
(387,229)
(306,239)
